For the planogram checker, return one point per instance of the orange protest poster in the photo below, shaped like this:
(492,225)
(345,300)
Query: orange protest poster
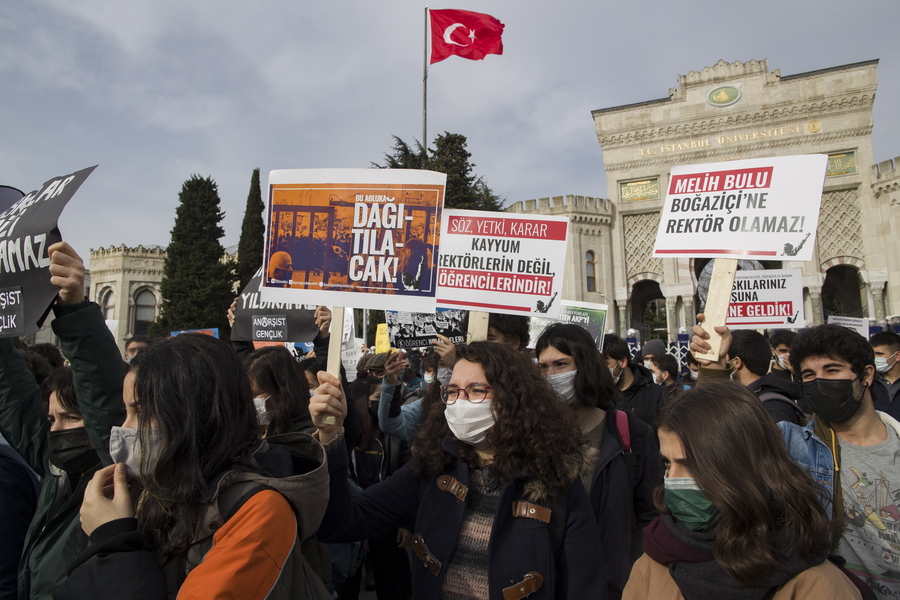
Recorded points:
(366,238)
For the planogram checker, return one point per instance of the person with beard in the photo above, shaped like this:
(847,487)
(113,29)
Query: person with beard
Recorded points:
(64,434)
(622,465)
(850,448)
(638,394)
(740,519)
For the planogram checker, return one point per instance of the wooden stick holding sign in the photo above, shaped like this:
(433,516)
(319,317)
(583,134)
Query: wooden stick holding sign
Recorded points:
(716,311)
(478,326)
(334,351)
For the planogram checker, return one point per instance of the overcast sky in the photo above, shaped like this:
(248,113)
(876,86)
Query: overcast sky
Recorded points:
(156,90)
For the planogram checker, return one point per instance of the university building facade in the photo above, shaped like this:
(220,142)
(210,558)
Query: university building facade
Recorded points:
(727,112)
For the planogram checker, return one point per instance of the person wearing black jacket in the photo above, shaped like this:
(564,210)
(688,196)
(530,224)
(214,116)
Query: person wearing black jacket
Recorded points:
(749,356)
(623,463)
(638,394)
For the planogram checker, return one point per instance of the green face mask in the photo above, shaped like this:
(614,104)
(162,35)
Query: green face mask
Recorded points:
(689,505)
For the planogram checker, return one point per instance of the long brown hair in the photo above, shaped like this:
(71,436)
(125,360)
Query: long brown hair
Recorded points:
(770,508)
(276,373)
(534,434)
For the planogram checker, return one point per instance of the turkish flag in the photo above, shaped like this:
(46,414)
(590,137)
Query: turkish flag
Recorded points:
(464,33)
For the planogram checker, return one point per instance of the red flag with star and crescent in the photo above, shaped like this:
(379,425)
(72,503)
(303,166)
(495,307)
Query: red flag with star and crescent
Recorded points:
(464,33)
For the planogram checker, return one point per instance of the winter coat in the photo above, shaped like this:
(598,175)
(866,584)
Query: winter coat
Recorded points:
(519,546)
(651,580)
(643,397)
(55,537)
(623,506)
(253,555)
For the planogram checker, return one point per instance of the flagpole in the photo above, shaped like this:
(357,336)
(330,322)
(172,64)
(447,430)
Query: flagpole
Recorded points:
(425,87)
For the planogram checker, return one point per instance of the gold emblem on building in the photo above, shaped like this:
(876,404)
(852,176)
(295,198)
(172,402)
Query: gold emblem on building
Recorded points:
(814,126)
(725,95)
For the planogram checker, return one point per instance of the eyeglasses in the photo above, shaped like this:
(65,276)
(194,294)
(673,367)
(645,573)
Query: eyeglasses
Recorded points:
(474,393)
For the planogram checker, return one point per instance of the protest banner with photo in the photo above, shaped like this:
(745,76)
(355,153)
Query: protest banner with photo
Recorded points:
(767,299)
(417,330)
(502,263)
(366,238)
(766,208)
(27,229)
(256,320)
(860,326)
(586,314)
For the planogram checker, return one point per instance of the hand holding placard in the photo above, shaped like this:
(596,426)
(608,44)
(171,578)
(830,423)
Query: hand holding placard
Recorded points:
(66,273)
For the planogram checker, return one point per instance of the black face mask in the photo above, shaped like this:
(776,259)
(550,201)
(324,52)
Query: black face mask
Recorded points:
(835,400)
(71,450)
(373,409)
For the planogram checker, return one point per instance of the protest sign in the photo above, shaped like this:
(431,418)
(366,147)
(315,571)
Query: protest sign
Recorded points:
(860,326)
(502,263)
(766,299)
(762,208)
(417,330)
(256,320)
(366,238)
(27,229)
(586,314)
(9,196)
(382,340)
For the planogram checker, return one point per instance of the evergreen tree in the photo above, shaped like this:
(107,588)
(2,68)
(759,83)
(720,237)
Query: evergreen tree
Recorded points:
(253,230)
(450,156)
(196,286)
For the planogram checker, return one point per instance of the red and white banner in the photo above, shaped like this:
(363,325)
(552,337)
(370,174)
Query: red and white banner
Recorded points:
(500,262)
(464,33)
(767,299)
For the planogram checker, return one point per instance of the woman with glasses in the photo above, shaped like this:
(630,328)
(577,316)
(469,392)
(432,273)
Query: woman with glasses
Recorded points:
(492,494)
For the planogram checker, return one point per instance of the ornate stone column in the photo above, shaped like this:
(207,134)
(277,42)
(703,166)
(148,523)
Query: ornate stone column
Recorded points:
(671,325)
(815,298)
(877,289)
(689,314)
(622,311)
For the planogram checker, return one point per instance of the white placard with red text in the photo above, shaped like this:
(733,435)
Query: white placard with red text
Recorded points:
(764,208)
(501,262)
(767,299)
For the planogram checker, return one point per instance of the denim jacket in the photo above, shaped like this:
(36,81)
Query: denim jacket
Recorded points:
(813,454)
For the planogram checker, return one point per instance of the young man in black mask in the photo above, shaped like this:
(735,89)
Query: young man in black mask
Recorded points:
(855,451)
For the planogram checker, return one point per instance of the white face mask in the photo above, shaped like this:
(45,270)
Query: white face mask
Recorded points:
(428,377)
(695,375)
(125,447)
(648,364)
(470,422)
(564,384)
(882,365)
(261,413)
(444,374)
(612,372)
(780,358)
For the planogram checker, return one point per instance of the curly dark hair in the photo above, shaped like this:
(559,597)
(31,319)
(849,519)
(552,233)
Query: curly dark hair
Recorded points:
(833,341)
(773,509)
(534,434)
(511,326)
(782,336)
(593,382)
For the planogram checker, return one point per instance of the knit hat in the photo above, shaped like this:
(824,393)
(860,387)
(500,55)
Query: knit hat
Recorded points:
(654,347)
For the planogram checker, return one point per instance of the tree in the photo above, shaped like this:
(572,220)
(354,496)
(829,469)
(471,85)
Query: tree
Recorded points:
(196,286)
(450,156)
(253,231)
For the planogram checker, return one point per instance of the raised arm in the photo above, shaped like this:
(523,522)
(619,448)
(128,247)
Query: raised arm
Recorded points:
(97,366)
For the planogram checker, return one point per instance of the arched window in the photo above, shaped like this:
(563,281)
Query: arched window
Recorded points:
(144,311)
(108,303)
(590,273)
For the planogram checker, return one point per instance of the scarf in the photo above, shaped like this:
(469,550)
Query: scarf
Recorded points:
(689,556)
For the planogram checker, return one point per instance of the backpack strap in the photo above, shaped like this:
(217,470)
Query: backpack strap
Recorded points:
(235,496)
(624,431)
(764,397)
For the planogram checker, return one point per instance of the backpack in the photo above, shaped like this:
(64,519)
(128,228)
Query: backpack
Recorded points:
(802,419)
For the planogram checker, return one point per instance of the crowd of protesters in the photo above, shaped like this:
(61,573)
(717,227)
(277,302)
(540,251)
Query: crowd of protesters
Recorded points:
(195,468)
